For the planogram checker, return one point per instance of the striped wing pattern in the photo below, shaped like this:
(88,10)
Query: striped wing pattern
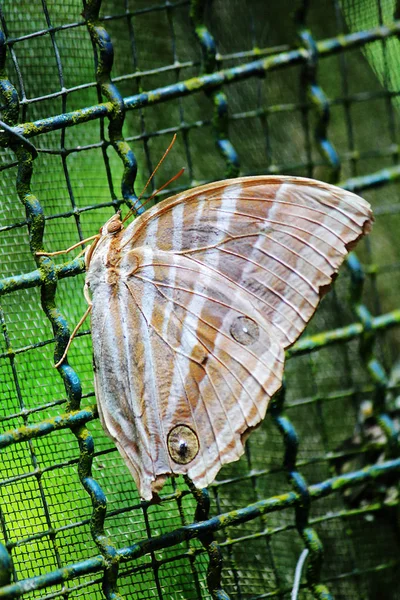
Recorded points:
(193,306)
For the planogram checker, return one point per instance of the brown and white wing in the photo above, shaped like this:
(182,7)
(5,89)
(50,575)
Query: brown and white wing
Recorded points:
(282,239)
(185,364)
(213,285)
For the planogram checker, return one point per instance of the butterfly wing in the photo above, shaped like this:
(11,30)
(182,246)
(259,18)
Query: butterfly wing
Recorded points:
(185,366)
(211,286)
(280,238)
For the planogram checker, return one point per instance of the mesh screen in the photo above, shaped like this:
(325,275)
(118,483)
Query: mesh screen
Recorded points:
(305,88)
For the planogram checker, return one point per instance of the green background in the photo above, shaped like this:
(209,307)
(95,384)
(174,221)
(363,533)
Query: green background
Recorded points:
(45,518)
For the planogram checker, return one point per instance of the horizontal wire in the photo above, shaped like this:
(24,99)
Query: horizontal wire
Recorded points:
(194,530)
(266,533)
(273,109)
(256,68)
(363,182)
(128,13)
(327,457)
(339,395)
(305,345)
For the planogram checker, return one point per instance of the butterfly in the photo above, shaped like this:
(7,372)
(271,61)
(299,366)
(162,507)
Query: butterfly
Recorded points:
(192,307)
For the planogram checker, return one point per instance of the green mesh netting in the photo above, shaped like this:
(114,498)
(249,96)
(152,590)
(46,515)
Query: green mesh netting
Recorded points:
(304,88)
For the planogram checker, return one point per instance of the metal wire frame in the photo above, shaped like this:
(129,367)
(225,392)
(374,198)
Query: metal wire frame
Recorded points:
(47,274)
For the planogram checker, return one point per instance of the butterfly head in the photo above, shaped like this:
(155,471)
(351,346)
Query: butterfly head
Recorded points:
(113,225)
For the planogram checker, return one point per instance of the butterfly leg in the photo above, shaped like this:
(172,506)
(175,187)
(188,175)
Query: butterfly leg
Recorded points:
(78,326)
(58,252)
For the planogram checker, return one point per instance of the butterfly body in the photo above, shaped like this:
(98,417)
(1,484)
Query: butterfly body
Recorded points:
(194,304)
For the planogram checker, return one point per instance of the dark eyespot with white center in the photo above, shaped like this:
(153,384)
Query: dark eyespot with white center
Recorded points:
(183,444)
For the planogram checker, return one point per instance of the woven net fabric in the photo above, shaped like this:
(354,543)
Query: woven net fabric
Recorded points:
(90,95)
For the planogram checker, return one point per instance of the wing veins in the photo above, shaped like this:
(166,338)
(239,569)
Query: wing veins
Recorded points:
(255,218)
(154,386)
(282,262)
(205,466)
(217,359)
(302,240)
(263,234)
(262,250)
(195,293)
(332,207)
(293,252)
(211,327)
(232,238)
(246,290)
(101,345)
(263,268)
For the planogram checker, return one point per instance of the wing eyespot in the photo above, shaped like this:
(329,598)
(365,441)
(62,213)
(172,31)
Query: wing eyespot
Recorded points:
(183,444)
(245,331)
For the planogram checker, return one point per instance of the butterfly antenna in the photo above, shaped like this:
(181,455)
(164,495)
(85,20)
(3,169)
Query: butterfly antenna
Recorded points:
(131,211)
(164,186)
(150,198)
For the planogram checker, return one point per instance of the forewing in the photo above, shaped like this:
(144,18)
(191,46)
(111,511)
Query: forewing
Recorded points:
(177,344)
(282,239)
